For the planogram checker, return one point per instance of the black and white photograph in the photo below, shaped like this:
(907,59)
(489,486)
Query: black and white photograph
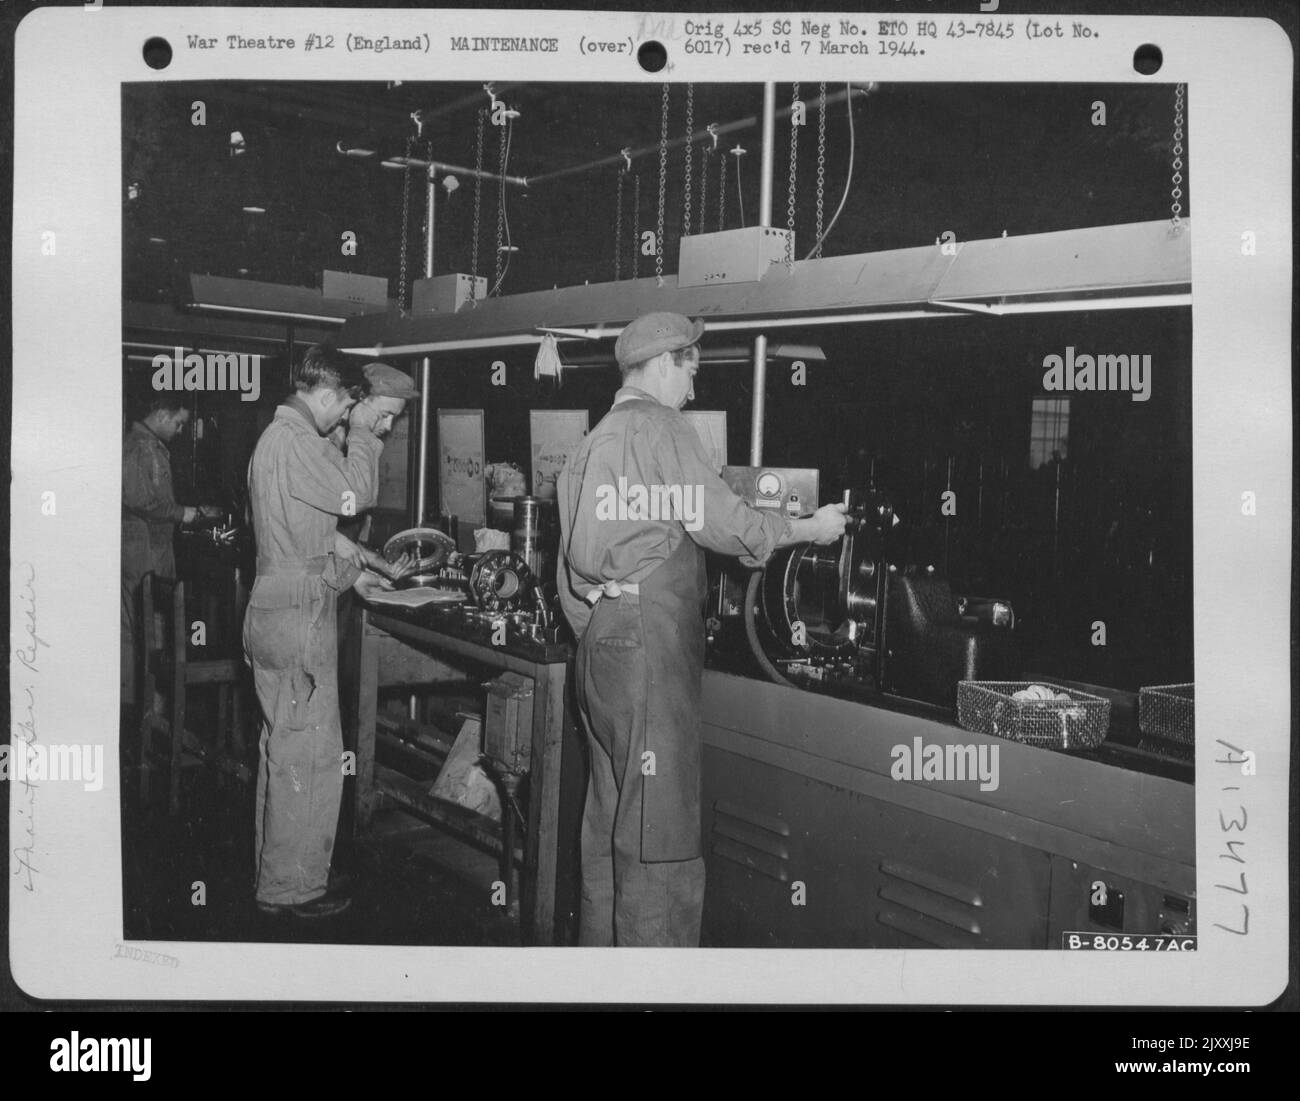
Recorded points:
(809,494)
(885,637)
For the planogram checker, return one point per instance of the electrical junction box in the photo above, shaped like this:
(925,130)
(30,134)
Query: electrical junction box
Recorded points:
(731,256)
(508,722)
(446,293)
(369,289)
(792,491)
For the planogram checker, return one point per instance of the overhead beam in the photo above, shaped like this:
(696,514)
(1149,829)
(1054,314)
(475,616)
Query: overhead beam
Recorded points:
(1103,267)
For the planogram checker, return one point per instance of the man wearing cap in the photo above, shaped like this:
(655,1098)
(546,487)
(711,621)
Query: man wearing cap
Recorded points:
(298,488)
(390,390)
(639,504)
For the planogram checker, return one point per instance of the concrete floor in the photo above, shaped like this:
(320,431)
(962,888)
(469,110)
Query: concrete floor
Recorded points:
(411,883)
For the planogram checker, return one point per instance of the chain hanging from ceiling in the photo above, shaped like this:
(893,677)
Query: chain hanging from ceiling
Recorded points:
(690,153)
(663,186)
(704,182)
(821,165)
(478,198)
(794,164)
(1176,181)
(430,207)
(501,213)
(722,190)
(618,227)
(406,228)
(636,225)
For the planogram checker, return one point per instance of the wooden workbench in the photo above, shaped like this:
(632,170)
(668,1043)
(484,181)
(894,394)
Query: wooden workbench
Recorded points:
(405,647)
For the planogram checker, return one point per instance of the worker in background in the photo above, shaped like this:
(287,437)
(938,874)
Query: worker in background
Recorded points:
(150,514)
(299,486)
(632,585)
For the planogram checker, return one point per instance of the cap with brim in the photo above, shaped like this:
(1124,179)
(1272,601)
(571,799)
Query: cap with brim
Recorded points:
(652,334)
(389,382)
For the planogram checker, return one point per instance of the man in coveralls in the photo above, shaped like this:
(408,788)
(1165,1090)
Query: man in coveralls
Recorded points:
(299,487)
(149,517)
(633,588)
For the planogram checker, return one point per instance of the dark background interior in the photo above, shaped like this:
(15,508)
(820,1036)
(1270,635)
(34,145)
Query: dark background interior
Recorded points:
(1103,534)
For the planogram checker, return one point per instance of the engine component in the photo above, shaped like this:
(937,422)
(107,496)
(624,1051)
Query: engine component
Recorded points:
(535,536)
(431,548)
(827,604)
(500,581)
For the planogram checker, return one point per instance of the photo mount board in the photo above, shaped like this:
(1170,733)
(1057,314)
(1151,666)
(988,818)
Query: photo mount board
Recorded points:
(65,887)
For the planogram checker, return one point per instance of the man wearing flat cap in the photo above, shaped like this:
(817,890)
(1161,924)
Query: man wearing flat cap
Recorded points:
(639,503)
(390,390)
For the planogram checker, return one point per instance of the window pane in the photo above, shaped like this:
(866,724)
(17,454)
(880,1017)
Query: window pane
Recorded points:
(1049,423)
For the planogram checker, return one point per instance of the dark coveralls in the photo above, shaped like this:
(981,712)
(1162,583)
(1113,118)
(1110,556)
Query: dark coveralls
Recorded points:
(299,485)
(149,518)
(633,588)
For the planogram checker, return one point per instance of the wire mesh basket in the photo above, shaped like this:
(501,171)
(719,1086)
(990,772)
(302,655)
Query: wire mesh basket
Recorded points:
(987,707)
(1168,711)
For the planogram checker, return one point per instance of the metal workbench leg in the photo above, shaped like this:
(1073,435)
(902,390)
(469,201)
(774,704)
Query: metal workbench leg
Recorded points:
(367,707)
(542,847)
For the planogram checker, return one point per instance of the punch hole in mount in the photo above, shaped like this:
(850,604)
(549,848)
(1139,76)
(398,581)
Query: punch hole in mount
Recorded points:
(157,53)
(1147,59)
(651,56)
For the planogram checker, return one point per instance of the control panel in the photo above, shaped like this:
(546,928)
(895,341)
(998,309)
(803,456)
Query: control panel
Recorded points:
(789,490)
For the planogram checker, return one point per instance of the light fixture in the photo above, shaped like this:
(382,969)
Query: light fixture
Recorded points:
(450,184)
(355,152)
(282,315)
(254,210)
(157,240)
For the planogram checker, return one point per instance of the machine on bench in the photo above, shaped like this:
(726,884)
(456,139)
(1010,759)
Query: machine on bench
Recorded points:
(498,584)
(843,618)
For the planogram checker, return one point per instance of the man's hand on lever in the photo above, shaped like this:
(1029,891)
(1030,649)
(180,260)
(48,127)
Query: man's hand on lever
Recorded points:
(823,527)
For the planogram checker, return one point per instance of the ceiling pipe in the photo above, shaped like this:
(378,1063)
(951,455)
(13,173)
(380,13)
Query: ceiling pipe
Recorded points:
(426,367)
(425,114)
(767,170)
(454,169)
(699,135)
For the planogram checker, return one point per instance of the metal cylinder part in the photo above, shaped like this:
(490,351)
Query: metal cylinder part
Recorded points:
(531,535)
(501,513)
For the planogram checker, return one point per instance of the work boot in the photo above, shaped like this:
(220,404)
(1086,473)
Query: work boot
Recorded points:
(327,905)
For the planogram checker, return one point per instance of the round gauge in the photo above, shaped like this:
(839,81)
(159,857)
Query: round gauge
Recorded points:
(769,485)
